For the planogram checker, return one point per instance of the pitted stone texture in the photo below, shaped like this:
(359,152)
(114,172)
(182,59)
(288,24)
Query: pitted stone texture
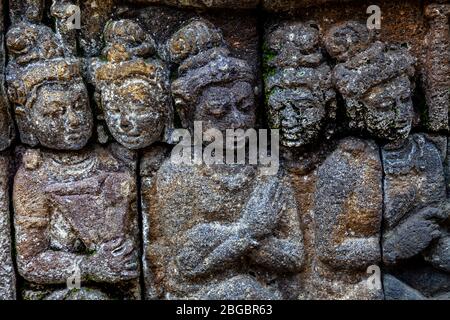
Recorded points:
(77,210)
(6,124)
(211,85)
(132,86)
(299,95)
(347,220)
(416,211)
(234,4)
(49,97)
(7,272)
(376,84)
(220,232)
(437,66)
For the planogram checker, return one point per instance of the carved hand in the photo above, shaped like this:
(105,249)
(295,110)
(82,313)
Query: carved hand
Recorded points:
(115,261)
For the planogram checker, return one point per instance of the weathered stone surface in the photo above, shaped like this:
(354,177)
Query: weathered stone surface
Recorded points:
(217,231)
(375,83)
(50,99)
(415,210)
(6,124)
(236,4)
(299,96)
(220,232)
(133,89)
(437,66)
(211,85)
(77,210)
(340,202)
(363,117)
(7,272)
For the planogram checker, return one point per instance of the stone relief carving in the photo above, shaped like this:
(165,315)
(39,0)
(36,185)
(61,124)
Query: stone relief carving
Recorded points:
(299,94)
(219,231)
(416,211)
(363,120)
(133,91)
(49,97)
(77,210)
(375,82)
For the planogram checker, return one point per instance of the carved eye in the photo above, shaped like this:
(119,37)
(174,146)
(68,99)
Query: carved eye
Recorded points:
(245,104)
(55,110)
(217,111)
(386,104)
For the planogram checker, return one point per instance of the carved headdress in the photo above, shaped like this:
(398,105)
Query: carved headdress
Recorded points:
(294,60)
(37,58)
(128,52)
(204,60)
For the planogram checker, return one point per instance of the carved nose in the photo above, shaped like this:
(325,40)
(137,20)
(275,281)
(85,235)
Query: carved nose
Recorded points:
(125,123)
(289,117)
(72,119)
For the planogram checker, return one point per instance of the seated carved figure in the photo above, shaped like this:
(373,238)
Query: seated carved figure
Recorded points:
(299,96)
(217,231)
(75,216)
(50,99)
(133,90)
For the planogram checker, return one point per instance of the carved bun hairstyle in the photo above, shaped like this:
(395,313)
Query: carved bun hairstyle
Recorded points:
(204,60)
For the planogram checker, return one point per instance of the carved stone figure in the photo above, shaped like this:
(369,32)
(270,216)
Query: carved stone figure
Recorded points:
(50,99)
(338,185)
(375,83)
(338,189)
(133,90)
(299,96)
(217,231)
(76,222)
(416,219)
(7,272)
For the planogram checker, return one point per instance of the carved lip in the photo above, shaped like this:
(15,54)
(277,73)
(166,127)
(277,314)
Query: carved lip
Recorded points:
(74,135)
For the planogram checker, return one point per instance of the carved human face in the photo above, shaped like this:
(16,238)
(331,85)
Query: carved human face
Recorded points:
(227,107)
(298,115)
(61,117)
(135,114)
(389,109)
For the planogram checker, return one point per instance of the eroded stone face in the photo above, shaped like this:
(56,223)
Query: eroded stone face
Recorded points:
(7,272)
(49,96)
(299,96)
(376,84)
(134,90)
(212,86)
(77,211)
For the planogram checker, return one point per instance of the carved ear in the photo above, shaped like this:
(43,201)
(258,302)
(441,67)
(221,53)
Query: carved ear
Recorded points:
(24,126)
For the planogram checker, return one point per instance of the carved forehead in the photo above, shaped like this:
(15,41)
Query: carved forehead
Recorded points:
(302,36)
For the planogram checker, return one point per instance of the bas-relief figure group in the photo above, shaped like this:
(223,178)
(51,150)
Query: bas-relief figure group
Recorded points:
(363,170)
